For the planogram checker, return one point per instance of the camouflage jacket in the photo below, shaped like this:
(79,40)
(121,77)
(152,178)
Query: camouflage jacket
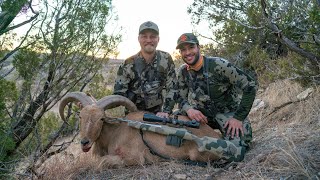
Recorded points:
(217,87)
(144,83)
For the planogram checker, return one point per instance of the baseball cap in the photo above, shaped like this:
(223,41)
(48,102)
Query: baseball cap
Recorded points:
(148,25)
(187,38)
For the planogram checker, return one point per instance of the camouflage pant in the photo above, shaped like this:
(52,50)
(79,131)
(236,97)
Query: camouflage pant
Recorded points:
(219,122)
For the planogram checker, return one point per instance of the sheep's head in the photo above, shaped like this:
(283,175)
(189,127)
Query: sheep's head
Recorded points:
(92,114)
(91,122)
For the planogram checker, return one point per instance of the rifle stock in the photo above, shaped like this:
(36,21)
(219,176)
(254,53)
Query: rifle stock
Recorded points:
(219,147)
(154,118)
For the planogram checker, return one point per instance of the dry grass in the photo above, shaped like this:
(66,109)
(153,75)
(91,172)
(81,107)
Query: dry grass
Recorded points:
(286,145)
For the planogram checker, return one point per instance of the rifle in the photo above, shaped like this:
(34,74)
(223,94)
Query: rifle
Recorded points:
(219,147)
(153,118)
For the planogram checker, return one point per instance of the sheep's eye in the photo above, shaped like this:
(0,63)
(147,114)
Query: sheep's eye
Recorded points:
(102,119)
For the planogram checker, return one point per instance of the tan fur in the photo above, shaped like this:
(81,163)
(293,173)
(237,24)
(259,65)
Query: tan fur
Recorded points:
(118,144)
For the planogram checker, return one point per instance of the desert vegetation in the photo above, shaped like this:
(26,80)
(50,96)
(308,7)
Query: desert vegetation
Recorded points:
(66,47)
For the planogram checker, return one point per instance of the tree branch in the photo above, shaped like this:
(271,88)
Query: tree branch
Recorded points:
(246,25)
(283,39)
(21,24)
(10,12)
(19,46)
(210,38)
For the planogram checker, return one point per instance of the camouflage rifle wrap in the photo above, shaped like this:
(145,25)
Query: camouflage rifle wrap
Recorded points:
(153,118)
(221,148)
(144,83)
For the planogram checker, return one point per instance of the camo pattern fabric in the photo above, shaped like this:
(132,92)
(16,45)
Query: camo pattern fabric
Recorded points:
(231,90)
(150,86)
(220,92)
(221,119)
(223,149)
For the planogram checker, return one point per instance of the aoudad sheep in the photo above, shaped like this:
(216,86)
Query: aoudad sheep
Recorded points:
(121,145)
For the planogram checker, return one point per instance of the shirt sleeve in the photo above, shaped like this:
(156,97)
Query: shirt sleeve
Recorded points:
(122,80)
(243,81)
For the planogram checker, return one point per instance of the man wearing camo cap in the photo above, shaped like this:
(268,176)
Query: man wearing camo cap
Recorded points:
(221,94)
(143,76)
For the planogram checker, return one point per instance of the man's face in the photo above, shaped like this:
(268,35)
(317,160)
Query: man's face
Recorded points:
(148,40)
(189,52)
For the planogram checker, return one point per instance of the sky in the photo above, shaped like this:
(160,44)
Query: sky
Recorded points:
(170,15)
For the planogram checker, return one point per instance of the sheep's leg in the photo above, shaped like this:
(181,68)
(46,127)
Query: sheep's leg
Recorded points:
(130,156)
(110,161)
(119,158)
(114,161)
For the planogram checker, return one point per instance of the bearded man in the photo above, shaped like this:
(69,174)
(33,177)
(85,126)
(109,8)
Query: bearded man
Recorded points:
(143,76)
(214,91)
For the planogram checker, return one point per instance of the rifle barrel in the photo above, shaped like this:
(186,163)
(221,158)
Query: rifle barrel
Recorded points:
(154,118)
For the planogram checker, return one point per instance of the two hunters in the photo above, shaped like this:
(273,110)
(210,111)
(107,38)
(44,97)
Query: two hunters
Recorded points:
(208,90)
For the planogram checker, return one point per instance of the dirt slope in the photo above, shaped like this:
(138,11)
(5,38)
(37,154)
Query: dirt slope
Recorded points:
(286,145)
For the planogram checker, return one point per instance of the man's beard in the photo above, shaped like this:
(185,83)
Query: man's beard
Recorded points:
(196,59)
(149,49)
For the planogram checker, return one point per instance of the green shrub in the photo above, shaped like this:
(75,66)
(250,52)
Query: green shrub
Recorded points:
(269,69)
(7,144)
(41,134)
(98,87)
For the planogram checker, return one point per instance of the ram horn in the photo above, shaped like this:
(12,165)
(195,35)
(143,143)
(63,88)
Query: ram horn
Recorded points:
(113,101)
(83,98)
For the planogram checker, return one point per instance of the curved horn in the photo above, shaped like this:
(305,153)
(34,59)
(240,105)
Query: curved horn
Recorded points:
(113,101)
(73,96)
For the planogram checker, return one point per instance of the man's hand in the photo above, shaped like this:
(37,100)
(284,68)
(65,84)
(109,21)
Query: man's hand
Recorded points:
(234,127)
(197,115)
(162,114)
